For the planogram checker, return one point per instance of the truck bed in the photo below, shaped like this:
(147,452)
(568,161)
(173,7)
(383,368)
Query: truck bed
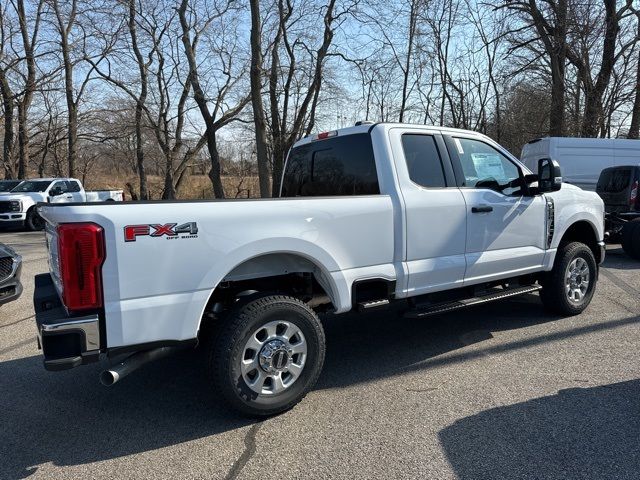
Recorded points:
(156,285)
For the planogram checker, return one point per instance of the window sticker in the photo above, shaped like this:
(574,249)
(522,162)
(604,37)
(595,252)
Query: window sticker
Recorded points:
(488,165)
(459,146)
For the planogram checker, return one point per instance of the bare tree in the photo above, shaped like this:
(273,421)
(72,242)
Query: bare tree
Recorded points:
(8,98)
(611,52)
(259,118)
(218,117)
(289,125)
(549,20)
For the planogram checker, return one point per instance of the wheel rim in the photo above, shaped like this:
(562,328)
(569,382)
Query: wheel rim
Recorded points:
(577,280)
(273,357)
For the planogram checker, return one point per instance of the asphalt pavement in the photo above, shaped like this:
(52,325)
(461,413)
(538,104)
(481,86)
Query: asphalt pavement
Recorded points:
(500,391)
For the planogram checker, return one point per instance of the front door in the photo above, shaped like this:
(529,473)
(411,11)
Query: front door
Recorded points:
(505,228)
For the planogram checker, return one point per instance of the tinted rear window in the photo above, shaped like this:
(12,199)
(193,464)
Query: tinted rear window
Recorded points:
(423,160)
(614,180)
(335,166)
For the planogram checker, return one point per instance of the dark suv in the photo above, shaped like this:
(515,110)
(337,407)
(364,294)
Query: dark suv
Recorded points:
(618,188)
(10,267)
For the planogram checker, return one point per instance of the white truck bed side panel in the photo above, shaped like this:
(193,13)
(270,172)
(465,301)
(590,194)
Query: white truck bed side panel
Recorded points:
(156,288)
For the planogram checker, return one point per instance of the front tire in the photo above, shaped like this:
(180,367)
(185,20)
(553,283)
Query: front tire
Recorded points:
(267,355)
(569,287)
(34,221)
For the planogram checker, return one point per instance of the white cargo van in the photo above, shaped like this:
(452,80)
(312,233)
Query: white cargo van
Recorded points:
(582,159)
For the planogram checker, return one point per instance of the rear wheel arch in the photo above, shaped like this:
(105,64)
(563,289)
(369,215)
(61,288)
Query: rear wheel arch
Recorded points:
(287,273)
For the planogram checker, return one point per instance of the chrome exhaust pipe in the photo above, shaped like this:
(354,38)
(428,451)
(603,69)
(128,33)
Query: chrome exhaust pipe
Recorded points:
(125,367)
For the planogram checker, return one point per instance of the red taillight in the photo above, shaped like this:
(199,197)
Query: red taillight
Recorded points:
(634,194)
(81,253)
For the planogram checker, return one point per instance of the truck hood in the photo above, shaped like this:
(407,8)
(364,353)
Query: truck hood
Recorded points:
(35,196)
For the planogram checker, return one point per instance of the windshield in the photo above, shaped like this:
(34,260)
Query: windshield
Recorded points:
(32,186)
(6,185)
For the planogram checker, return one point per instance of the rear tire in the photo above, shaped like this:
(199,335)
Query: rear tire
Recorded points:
(631,238)
(267,355)
(34,221)
(569,287)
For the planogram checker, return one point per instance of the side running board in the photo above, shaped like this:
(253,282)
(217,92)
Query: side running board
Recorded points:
(444,307)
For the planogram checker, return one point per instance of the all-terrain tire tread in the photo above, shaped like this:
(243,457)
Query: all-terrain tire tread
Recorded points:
(230,331)
(553,293)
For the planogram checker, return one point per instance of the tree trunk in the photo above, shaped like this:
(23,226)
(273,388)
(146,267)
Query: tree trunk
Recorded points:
(634,128)
(72,132)
(201,101)
(407,64)
(7,150)
(557,110)
(30,85)
(558,64)
(593,110)
(168,192)
(23,140)
(256,100)
(140,102)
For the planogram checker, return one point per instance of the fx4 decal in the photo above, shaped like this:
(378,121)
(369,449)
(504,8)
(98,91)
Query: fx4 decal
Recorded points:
(169,230)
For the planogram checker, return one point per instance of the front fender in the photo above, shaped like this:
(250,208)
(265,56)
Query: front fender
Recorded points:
(573,205)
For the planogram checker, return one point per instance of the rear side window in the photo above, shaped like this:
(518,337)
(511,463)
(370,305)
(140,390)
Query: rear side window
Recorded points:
(73,186)
(335,166)
(423,160)
(614,180)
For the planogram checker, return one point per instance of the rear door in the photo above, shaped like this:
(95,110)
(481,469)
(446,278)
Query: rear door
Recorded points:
(505,228)
(435,212)
(75,190)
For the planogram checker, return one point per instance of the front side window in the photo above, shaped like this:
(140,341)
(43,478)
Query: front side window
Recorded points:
(334,166)
(485,167)
(61,187)
(423,160)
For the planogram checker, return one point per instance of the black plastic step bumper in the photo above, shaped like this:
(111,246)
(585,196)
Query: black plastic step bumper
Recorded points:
(67,341)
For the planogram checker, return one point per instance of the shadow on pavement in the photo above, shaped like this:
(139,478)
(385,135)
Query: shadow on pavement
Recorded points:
(617,259)
(68,418)
(580,433)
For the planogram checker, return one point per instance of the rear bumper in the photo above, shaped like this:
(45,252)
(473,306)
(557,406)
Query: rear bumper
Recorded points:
(67,341)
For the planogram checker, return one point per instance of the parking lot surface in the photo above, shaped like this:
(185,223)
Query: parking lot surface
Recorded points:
(495,392)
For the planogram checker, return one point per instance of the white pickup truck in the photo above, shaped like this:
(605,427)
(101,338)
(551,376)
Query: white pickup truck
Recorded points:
(431,219)
(18,207)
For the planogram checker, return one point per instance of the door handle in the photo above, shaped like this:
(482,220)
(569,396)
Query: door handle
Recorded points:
(482,209)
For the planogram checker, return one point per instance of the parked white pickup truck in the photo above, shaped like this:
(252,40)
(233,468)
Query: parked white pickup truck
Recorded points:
(18,207)
(433,219)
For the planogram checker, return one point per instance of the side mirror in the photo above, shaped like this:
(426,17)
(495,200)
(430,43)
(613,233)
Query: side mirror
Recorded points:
(549,175)
(55,191)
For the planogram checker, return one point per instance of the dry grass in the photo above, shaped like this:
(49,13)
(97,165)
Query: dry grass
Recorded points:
(193,188)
